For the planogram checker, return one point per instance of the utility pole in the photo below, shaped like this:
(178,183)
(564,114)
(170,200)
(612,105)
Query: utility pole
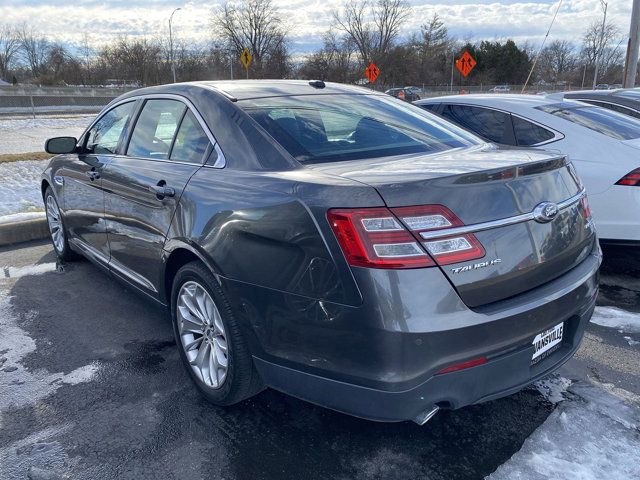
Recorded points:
(601,46)
(631,65)
(173,66)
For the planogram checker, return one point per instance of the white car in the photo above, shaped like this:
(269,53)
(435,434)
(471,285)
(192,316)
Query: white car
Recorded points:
(603,145)
(500,89)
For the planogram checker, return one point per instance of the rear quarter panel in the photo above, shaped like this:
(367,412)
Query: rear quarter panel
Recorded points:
(270,230)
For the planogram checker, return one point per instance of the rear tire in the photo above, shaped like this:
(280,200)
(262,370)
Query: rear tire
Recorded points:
(209,339)
(57,230)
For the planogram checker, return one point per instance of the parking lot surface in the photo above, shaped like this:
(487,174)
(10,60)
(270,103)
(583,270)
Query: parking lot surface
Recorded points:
(91,387)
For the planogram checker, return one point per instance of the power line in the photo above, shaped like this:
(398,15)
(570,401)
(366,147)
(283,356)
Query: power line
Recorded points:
(535,61)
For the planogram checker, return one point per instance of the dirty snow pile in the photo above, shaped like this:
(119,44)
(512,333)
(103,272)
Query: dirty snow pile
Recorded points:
(20,187)
(621,320)
(18,385)
(24,135)
(591,435)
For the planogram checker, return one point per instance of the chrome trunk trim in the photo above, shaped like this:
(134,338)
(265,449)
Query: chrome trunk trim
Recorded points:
(503,222)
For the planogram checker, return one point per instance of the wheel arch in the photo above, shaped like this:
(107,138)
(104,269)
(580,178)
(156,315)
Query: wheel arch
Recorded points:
(44,184)
(177,254)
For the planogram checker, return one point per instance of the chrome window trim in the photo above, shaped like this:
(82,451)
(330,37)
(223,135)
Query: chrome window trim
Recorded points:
(221,161)
(503,222)
(556,135)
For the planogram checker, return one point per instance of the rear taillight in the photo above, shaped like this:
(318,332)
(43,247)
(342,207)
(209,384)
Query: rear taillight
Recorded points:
(373,237)
(585,211)
(631,178)
(383,238)
(446,249)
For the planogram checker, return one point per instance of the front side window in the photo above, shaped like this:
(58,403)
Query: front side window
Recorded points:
(528,134)
(191,142)
(487,123)
(105,134)
(326,128)
(156,126)
(601,120)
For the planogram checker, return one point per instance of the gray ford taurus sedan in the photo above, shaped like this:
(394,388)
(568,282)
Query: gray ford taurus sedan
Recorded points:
(331,242)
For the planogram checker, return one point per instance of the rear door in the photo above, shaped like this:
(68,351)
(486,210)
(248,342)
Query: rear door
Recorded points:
(167,145)
(82,176)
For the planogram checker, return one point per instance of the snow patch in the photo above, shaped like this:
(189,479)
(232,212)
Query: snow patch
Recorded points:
(15,272)
(593,435)
(23,135)
(553,388)
(19,386)
(626,322)
(20,186)
(21,217)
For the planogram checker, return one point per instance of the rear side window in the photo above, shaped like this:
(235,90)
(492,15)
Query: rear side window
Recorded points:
(191,142)
(601,120)
(104,136)
(326,128)
(487,123)
(156,126)
(528,133)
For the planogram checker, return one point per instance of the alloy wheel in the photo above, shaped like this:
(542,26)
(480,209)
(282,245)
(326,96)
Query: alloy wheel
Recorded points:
(54,220)
(202,334)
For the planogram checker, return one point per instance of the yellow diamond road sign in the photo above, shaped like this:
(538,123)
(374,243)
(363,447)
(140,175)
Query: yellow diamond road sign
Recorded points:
(245,58)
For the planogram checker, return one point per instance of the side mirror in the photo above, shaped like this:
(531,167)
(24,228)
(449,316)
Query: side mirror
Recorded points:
(59,145)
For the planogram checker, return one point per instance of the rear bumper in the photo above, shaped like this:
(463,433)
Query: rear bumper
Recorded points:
(407,384)
(501,376)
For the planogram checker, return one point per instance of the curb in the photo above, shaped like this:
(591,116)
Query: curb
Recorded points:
(25,231)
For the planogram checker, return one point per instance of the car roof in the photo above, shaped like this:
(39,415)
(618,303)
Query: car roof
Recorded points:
(246,89)
(236,90)
(617,96)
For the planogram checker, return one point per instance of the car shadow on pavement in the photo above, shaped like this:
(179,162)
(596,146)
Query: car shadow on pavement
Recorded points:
(117,402)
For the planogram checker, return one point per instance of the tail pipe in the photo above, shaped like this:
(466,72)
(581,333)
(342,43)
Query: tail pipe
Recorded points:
(426,415)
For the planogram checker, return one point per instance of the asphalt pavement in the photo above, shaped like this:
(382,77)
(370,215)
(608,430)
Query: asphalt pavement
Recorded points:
(91,387)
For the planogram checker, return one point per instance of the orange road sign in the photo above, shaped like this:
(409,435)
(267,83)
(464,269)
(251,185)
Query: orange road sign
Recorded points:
(372,72)
(465,64)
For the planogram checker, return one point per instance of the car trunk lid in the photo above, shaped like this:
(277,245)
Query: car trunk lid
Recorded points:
(497,198)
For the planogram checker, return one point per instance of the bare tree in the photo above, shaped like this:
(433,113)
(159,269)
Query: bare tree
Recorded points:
(557,60)
(602,46)
(335,61)
(137,60)
(34,49)
(373,27)
(256,25)
(9,46)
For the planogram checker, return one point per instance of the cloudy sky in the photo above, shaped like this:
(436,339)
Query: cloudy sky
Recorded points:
(306,19)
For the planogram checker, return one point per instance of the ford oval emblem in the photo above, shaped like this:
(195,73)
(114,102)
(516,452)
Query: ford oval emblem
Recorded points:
(545,212)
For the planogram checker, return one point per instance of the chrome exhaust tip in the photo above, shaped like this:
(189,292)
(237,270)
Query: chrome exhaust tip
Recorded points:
(427,415)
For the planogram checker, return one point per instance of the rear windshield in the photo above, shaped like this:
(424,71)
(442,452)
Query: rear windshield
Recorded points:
(323,128)
(607,122)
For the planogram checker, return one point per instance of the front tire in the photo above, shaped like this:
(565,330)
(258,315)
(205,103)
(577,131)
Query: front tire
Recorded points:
(209,338)
(57,230)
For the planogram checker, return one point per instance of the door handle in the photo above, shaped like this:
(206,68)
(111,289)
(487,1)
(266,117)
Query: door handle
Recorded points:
(161,191)
(92,174)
